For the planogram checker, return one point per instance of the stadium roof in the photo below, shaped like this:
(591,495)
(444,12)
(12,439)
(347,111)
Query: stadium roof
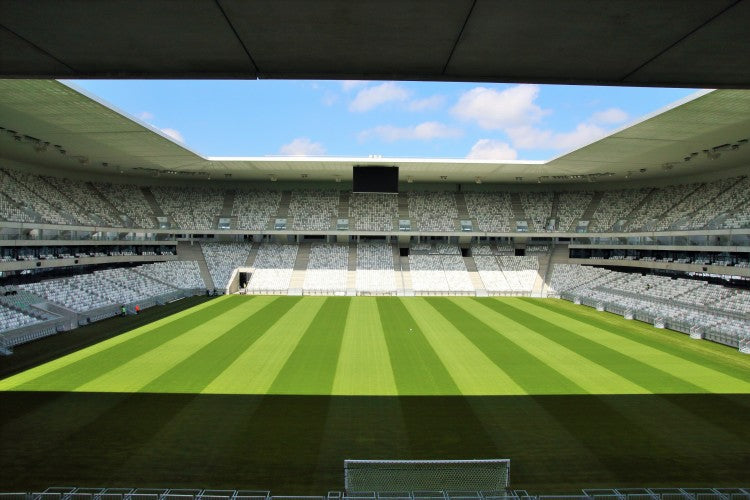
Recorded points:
(685,43)
(51,124)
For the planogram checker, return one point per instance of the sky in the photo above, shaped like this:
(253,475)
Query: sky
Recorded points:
(236,118)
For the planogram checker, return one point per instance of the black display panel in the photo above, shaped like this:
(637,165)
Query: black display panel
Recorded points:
(375,179)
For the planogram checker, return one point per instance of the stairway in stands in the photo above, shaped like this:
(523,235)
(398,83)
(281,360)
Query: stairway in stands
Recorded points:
(351,274)
(186,251)
(403,274)
(559,256)
(518,212)
(590,210)
(252,255)
(300,268)
(226,209)
(476,280)
(152,203)
(463,211)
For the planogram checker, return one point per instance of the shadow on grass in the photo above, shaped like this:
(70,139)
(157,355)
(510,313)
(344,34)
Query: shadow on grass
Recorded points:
(297,444)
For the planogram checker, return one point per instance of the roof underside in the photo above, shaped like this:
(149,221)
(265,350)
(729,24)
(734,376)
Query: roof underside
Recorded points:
(710,130)
(687,43)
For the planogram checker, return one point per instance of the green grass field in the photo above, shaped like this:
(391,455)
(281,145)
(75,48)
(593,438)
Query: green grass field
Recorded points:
(393,347)
(275,392)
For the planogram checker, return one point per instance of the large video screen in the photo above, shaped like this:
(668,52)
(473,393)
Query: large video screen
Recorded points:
(372,179)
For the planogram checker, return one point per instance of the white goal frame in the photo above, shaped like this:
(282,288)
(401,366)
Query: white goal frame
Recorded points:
(426,475)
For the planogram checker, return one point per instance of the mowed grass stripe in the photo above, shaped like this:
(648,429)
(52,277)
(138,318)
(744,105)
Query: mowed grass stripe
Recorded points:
(474,373)
(220,347)
(256,367)
(364,367)
(417,370)
(311,367)
(564,333)
(694,374)
(139,373)
(526,371)
(583,372)
(720,358)
(55,364)
(76,373)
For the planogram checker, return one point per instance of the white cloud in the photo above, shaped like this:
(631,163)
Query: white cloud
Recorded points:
(609,116)
(432,102)
(534,138)
(174,134)
(372,97)
(302,146)
(330,98)
(491,149)
(423,132)
(145,116)
(495,110)
(348,85)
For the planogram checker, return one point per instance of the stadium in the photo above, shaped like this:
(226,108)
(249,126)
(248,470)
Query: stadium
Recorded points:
(175,326)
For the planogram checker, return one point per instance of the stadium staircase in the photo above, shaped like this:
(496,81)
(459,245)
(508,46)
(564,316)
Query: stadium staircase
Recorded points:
(403,277)
(559,255)
(343,209)
(154,205)
(186,251)
(476,280)
(463,211)
(300,268)
(538,290)
(351,273)
(553,212)
(403,206)
(226,209)
(518,212)
(629,217)
(252,255)
(112,208)
(591,209)
(283,211)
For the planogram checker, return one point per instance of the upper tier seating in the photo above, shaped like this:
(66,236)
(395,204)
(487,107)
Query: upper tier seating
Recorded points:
(372,211)
(433,211)
(254,209)
(538,208)
(25,197)
(129,199)
(189,207)
(314,210)
(492,211)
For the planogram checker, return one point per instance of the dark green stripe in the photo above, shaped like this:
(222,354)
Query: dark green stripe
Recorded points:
(642,374)
(531,374)
(311,368)
(661,340)
(417,369)
(84,370)
(198,370)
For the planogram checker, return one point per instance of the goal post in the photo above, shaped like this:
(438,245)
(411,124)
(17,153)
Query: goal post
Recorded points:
(743,342)
(426,475)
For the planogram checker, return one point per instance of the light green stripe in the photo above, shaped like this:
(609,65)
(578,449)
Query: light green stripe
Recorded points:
(364,366)
(140,371)
(254,370)
(592,377)
(41,370)
(693,373)
(473,372)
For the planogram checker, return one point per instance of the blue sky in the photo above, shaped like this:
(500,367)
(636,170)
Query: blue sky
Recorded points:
(391,119)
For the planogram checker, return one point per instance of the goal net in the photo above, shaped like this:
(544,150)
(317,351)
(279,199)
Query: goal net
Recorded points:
(743,342)
(426,475)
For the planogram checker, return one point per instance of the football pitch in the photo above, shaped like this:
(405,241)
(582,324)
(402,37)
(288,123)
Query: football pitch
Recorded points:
(274,392)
